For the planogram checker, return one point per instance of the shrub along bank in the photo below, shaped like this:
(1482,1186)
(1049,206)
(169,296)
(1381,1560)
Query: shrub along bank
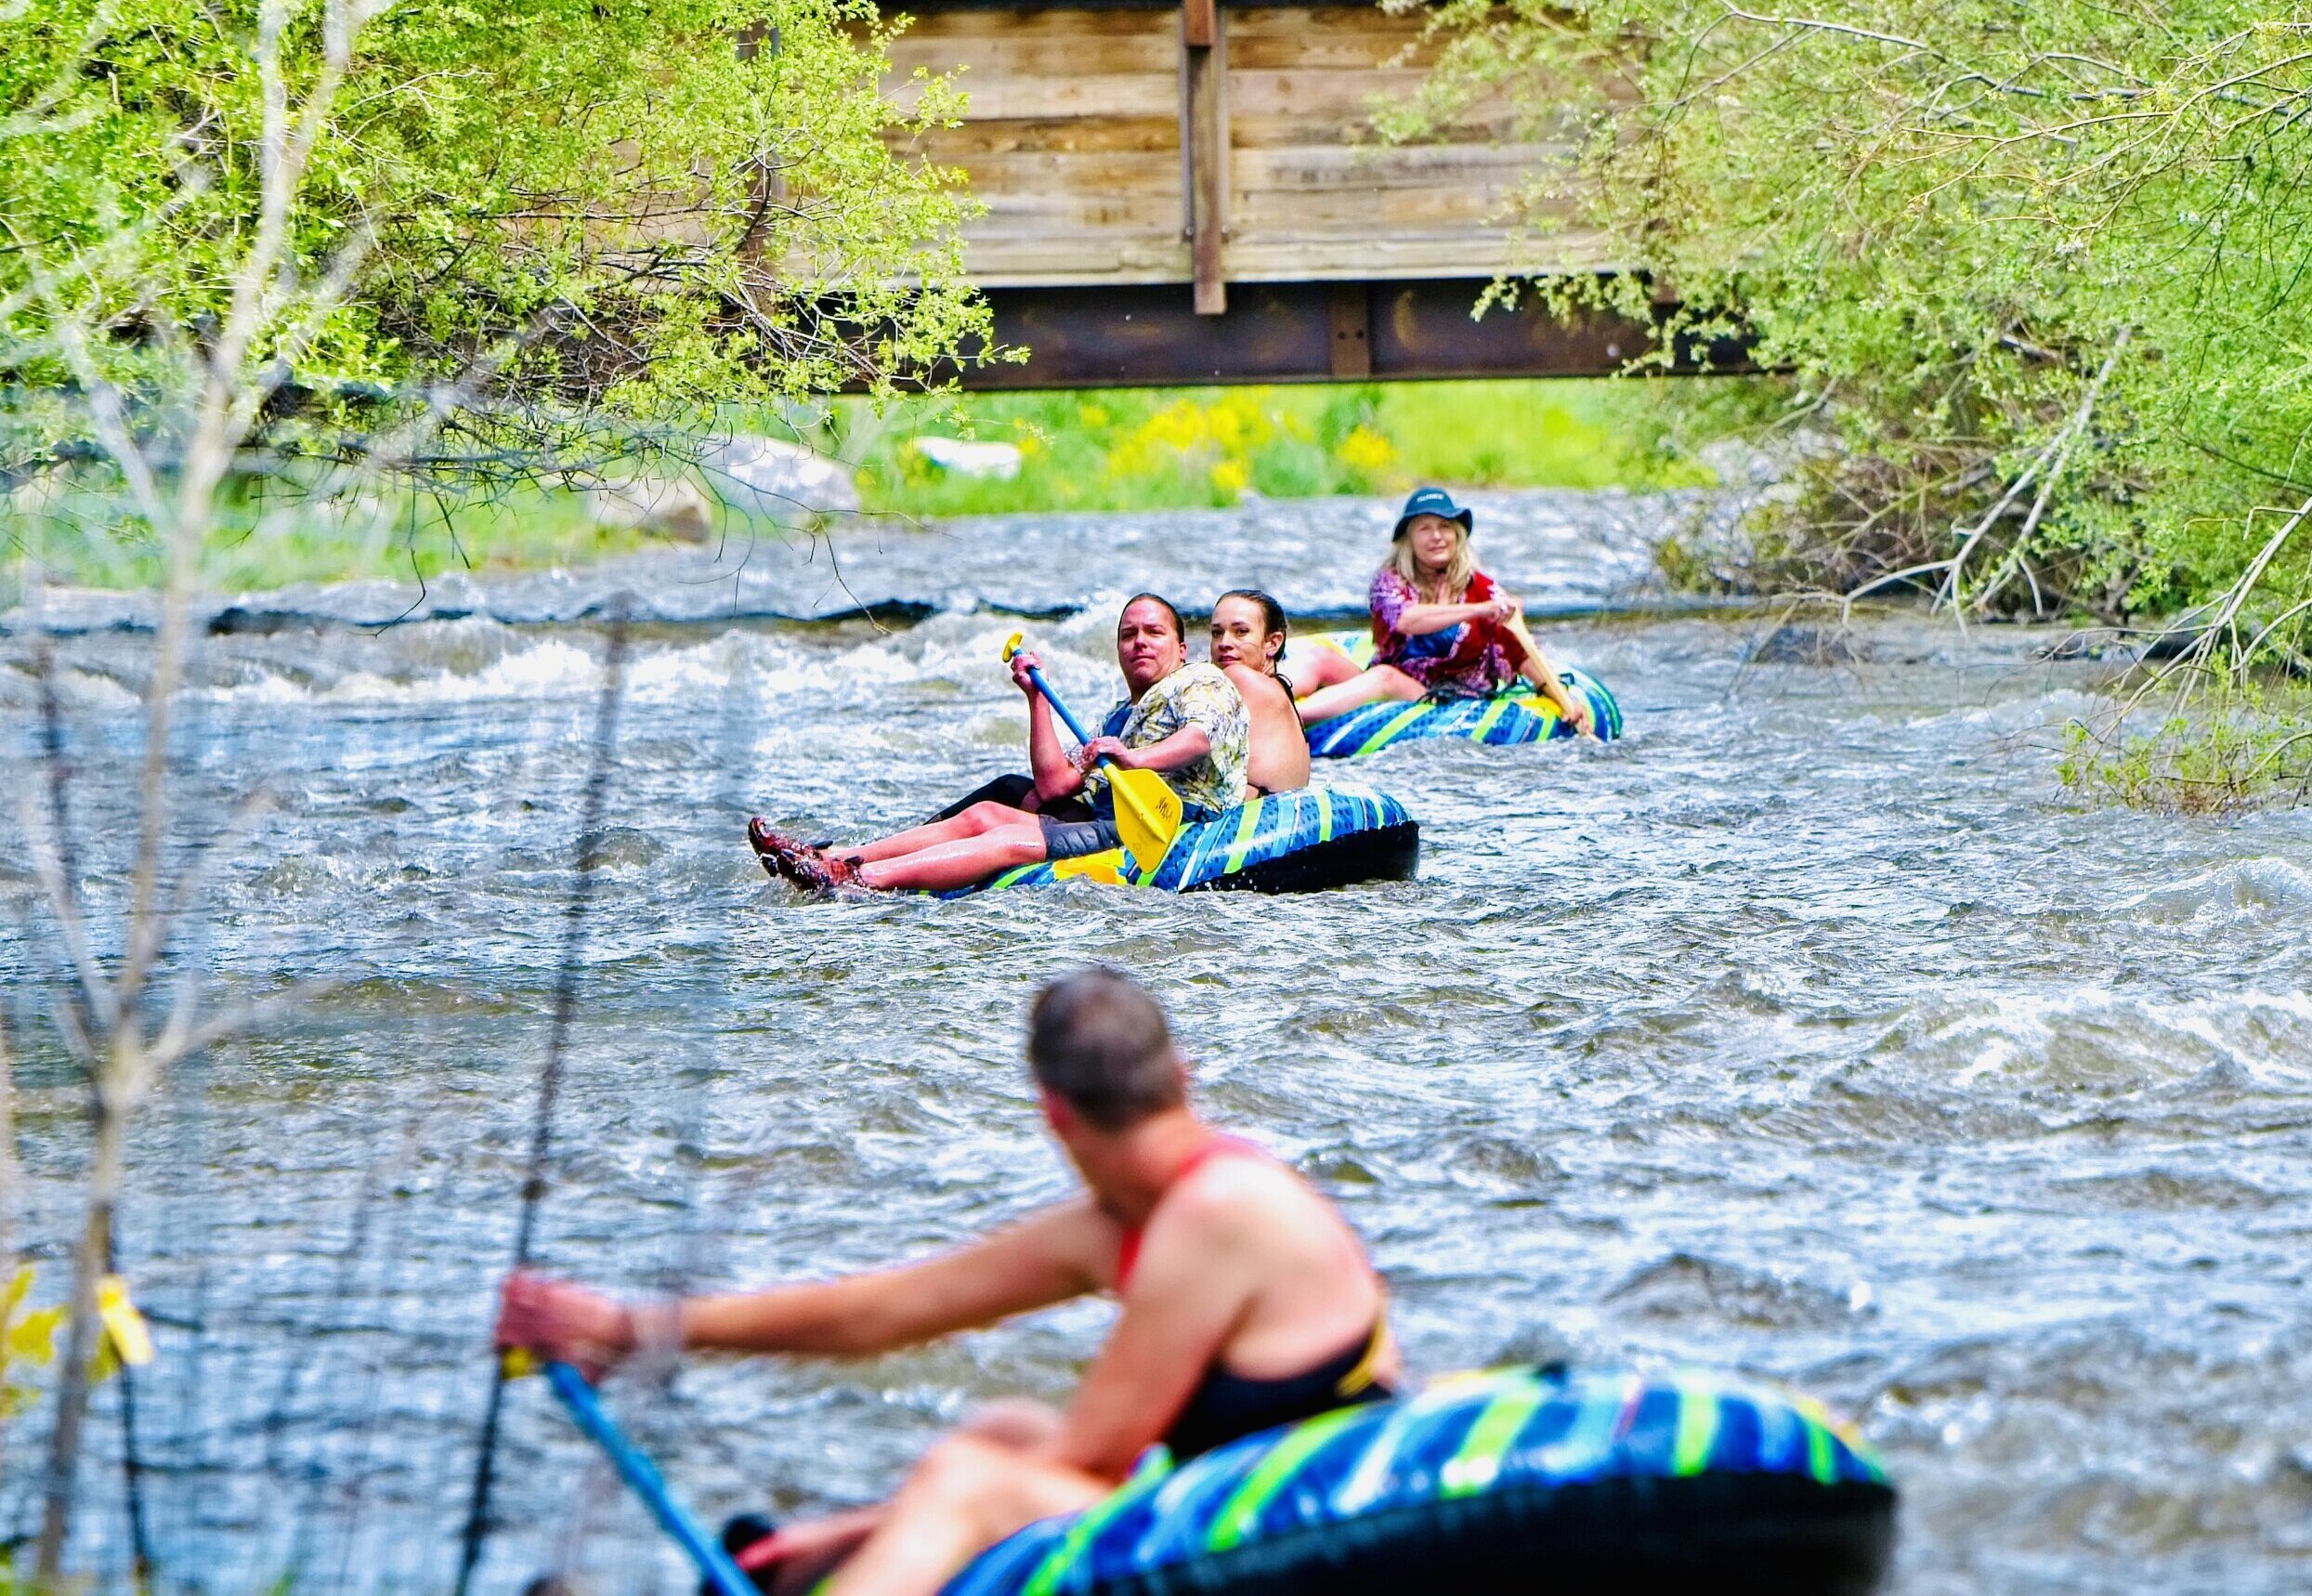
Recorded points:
(2040,269)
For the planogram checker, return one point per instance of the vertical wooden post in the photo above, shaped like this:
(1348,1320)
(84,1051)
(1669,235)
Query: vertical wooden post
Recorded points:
(1204,142)
(1351,316)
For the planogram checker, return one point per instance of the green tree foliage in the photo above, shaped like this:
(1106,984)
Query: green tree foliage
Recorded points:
(636,208)
(2043,266)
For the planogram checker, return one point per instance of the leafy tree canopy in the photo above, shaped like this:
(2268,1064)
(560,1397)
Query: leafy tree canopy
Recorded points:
(636,207)
(2043,264)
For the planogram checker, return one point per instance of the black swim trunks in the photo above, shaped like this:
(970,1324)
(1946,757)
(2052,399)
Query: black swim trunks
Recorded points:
(1074,839)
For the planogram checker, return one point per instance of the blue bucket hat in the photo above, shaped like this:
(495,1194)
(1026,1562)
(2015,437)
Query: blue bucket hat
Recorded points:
(1432,501)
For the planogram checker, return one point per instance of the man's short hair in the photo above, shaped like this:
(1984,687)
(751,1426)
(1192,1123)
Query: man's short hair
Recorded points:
(1099,1044)
(1180,627)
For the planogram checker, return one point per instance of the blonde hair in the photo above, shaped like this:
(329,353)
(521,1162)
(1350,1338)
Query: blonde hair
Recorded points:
(1459,571)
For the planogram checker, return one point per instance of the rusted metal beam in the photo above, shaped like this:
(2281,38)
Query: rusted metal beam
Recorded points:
(1204,144)
(1305,332)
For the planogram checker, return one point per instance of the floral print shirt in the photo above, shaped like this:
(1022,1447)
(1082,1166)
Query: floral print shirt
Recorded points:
(1469,660)
(1194,695)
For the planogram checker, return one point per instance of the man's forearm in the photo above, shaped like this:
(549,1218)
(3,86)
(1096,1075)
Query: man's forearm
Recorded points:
(796,1319)
(1055,774)
(1183,747)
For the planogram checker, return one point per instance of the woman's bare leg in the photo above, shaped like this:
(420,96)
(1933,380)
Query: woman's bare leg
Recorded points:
(1368,686)
(963,1496)
(1317,667)
(959,861)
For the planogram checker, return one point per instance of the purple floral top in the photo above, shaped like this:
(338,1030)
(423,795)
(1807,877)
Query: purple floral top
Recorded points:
(1470,659)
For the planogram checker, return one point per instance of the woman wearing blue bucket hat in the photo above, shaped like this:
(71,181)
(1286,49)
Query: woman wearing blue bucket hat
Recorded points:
(1441,628)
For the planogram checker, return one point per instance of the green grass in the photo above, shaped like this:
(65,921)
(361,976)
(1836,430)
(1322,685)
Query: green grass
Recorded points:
(1119,448)
(1131,449)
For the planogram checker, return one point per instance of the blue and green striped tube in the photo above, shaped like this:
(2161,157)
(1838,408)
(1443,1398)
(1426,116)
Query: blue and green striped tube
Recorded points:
(1502,720)
(1341,834)
(1766,1462)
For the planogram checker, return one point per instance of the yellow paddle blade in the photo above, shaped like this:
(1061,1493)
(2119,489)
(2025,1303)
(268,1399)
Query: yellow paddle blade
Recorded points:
(123,1326)
(1147,815)
(1012,645)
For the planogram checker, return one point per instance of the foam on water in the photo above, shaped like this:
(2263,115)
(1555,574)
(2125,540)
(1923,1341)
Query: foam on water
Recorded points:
(2244,890)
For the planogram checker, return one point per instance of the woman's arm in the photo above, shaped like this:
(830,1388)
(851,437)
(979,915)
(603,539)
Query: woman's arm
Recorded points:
(1543,674)
(1397,607)
(1420,619)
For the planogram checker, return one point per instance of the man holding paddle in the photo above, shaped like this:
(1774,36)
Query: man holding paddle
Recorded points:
(1175,749)
(1247,1303)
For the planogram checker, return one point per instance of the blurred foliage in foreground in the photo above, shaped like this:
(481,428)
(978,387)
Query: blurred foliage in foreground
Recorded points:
(2041,272)
(1131,449)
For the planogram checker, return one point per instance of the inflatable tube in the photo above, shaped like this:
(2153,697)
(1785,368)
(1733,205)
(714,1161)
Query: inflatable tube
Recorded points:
(1504,718)
(1304,841)
(1604,1481)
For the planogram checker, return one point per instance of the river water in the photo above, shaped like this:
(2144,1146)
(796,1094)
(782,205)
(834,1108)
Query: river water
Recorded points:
(1808,1029)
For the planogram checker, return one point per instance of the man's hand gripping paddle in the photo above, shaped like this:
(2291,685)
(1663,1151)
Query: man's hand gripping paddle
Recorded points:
(1147,811)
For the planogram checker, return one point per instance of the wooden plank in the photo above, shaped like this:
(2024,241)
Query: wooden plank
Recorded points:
(1157,20)
(1451,253)
(1107,175)
(1148,211)
(1276,213)
(1059,55)
(1305,91)
(1030,262)
(1354,129)
(976,141)
(1320,21)
(1199,24)
(1108,94)
(1334,169)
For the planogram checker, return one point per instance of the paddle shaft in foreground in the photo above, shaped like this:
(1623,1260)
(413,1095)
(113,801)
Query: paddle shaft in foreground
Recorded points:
(642,1478)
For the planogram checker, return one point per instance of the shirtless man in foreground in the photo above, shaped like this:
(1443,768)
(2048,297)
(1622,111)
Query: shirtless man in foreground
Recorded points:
(1246,1302)
(1248,636)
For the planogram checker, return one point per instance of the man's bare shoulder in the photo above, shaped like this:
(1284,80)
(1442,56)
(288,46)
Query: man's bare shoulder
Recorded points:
(1238,1196)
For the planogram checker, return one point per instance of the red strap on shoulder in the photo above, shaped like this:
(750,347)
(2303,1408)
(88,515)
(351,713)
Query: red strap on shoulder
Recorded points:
(1220,1146)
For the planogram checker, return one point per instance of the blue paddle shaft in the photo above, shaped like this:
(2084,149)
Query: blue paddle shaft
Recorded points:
(642,1478)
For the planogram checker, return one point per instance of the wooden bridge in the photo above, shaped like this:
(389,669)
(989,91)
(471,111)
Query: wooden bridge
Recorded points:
(1191,192)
